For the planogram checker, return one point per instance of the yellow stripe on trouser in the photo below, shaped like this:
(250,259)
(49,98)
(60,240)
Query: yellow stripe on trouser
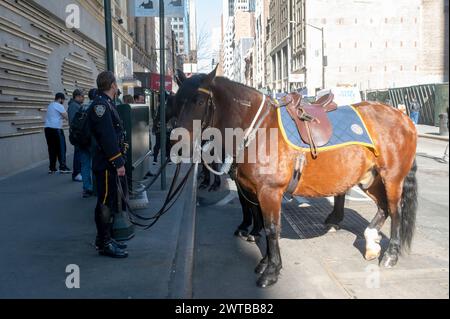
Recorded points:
(115,157)
(106,187)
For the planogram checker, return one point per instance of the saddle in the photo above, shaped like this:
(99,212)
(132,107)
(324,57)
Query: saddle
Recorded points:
(311,119)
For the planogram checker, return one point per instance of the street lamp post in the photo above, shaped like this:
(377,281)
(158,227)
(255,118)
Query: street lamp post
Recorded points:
(162,90)
(323,52)
(109,36)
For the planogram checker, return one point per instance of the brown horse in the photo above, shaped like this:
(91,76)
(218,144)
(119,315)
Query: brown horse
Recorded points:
(387,177)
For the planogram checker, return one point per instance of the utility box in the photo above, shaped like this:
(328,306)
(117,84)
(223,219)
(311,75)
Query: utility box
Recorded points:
(136,121)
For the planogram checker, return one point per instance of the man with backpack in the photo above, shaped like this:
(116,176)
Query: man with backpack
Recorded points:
(80,137)
(75,105)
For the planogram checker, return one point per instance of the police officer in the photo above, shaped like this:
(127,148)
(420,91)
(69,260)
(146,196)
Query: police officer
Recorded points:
(108,163)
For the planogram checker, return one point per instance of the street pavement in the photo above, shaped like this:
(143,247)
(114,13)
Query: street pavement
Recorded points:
(317,264)
(46,226)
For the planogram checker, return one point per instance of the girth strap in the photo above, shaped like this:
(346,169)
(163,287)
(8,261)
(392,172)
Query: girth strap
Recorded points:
(295,180)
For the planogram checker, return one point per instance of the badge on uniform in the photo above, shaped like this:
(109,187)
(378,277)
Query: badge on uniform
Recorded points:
(100,110)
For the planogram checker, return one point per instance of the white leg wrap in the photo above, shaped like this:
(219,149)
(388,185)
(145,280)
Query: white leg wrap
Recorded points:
(373,248)
(372,239)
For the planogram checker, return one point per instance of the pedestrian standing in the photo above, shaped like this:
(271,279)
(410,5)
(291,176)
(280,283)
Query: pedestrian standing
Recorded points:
(75,105)
(139,99)
(128,99)
(54,134)
(415,110)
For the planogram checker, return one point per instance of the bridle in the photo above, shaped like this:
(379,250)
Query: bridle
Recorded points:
(208,117)
(250,135)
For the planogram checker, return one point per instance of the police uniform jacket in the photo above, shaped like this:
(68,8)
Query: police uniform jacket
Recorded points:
(107,130)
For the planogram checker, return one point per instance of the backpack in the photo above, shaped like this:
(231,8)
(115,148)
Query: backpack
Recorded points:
(80,133)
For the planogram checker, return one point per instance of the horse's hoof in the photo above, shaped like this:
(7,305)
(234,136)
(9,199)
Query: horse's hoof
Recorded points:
(372,252)
(333,228)
(389,261)
(261,268)
(241,233)
(253,238)
(267,280)
(371,255)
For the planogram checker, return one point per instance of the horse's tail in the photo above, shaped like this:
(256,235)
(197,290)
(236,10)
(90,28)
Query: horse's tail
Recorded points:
(408,208)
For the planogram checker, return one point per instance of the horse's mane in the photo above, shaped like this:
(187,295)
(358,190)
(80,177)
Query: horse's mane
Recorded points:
(236,85)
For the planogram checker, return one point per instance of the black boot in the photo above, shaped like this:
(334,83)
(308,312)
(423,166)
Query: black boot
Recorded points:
(98,243)
(104,243)
(112,250)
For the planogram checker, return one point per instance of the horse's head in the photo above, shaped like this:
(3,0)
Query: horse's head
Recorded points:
(193,98)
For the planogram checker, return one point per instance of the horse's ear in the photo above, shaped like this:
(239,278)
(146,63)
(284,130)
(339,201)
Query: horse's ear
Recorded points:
(211,76)
(180,77)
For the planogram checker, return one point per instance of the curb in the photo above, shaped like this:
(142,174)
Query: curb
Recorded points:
(434,137)
(180,286)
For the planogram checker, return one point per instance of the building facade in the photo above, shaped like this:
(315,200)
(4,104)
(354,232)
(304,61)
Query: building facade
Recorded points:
(49,47)
(260,51)
(238,38)
(280,51)
(227,38)
(365,44)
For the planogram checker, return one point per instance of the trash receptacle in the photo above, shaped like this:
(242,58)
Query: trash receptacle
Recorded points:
(443,124)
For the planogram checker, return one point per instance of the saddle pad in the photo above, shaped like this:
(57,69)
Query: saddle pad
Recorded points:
(348,129)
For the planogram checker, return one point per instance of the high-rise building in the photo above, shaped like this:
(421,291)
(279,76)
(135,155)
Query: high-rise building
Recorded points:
(260,52)
(178,27)
(279,20)
(189,40)
(366,44)
(239,33)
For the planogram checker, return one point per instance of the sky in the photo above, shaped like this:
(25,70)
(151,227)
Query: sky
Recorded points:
(209,19)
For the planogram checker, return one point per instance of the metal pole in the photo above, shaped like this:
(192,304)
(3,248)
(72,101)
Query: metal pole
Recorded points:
(323,60)
(109,36)
(162,90)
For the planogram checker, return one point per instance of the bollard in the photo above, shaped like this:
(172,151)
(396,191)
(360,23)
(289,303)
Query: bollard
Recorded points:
(443,124)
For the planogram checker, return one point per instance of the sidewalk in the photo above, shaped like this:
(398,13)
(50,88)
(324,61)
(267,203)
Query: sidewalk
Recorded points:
(431,132)
(46,225)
